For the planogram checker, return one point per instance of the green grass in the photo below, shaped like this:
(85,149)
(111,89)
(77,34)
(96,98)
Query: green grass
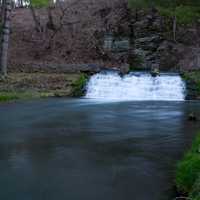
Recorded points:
(78,86)
(11,96)
(188,172)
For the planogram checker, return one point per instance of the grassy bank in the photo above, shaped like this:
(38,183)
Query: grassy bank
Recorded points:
(11,96)
(188,172)
(39,85)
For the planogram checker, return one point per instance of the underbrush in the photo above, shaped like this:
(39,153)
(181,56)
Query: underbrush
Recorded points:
(194,77)
(188,172)
(79,86)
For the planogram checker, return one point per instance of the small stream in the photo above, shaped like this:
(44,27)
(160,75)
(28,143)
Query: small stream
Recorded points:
(74,149)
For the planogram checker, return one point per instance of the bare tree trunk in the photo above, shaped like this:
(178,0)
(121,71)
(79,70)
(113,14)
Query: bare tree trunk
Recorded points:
(3,7)
(174,27)
(37,22)
(5,38)
(21,3)
(50,23)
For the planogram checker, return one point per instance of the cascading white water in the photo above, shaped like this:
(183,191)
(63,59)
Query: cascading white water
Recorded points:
(136,86)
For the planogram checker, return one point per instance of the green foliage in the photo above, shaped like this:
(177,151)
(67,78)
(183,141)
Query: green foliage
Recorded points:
(140,4)
(188,170)
(187,15)
(78,86)
(39,3)
(24,95)
(5,96)
(184,14)
(195,194)
(194,77)
(186,11)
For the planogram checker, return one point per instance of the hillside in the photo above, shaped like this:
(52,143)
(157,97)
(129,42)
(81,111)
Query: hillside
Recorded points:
(99,33)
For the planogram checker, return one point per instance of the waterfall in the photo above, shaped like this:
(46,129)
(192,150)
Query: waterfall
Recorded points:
(136,86)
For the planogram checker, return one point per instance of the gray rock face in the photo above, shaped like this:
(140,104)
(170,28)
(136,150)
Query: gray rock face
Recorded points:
(151,45)
(167,52)
(117,48)
(190,59)
(115,44)
(121,45)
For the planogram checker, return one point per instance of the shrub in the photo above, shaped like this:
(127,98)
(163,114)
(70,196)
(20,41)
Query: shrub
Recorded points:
(188,170)
(194,77)
(195,194)
(5,96)
(79,85)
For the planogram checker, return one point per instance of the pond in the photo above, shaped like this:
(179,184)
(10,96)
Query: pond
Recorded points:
(58,149)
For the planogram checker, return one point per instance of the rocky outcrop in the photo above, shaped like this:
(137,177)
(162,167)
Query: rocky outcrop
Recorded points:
(154,47)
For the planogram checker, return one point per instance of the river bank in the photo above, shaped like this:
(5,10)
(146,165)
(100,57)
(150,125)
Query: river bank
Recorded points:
(32,85)
(188,172)
(40,85)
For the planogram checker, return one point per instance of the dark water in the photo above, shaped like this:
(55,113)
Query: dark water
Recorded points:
(80,149)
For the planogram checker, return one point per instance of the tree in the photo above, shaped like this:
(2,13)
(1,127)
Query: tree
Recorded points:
(37,4)
(137,5)
(5,37)
(180,11)
(6,24)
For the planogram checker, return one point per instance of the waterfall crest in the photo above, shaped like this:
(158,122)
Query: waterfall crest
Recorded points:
(136,86)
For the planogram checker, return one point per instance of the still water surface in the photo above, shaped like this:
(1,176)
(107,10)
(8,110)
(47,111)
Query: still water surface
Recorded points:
(70,149)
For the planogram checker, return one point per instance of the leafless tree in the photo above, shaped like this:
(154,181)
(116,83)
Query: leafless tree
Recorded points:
(5,37)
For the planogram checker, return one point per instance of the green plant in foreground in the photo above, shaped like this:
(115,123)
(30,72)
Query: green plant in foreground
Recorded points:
(188,170)
(78,86)
(7,97)
(195,194)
